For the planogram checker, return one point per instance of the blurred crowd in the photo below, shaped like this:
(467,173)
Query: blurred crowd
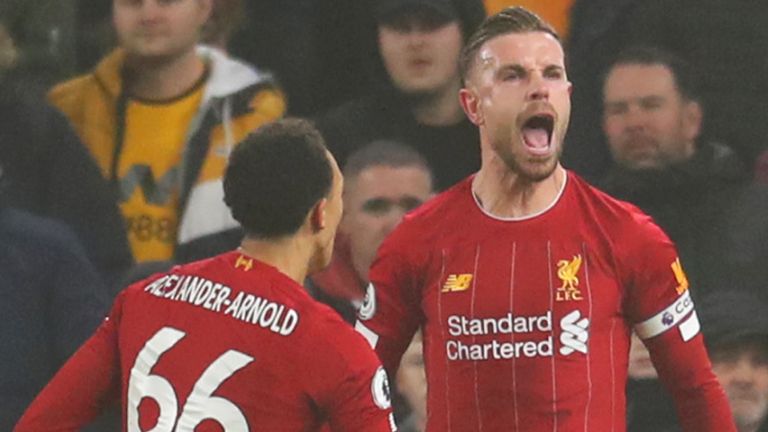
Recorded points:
(117,118)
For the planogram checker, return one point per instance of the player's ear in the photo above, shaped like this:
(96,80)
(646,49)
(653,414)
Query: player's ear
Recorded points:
(317,217)
(471,105)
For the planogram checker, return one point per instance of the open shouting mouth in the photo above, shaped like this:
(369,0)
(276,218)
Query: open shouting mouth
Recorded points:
(537,133)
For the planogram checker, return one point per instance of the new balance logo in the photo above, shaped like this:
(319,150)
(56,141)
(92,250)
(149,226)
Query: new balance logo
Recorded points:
(457,282)
(575,333)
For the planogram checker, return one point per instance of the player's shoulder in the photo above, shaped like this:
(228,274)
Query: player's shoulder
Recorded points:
(450,198)
(625,221)
(609,209)
(427,221)
(328,331)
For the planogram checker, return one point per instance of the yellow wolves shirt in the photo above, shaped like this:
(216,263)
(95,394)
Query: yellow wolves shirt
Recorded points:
(168,168)
(148,172)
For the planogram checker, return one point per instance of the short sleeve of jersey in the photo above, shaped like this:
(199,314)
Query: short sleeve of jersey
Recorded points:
(658,298)
(391,312)
(352,390)
(88,381)
(660,308)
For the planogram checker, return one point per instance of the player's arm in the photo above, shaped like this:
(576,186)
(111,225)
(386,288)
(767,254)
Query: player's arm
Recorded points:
(390,314)
(664,317)
(354,392)
(83,387)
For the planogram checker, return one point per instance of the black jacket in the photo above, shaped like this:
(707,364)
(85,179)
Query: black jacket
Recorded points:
(693,203)
(52,299)
(47,171)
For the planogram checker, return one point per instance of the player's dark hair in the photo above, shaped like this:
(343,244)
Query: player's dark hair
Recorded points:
(275,177)
(510,20)
(682,72)
(384,153)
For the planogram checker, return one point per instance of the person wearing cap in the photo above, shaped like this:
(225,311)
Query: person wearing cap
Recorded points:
(735,327)
(416,80)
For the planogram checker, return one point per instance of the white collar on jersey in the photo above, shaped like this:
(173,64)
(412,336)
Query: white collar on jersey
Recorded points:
(521,218)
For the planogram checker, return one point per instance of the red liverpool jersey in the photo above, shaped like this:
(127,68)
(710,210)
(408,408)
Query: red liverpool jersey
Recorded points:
(527,321)
(228,343)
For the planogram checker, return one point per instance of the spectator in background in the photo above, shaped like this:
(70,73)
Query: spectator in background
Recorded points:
(160,116)
(52,300)
(411,383)
(415,101)
(44,32)
(51,174)
(652,120)
(382,182)
(735,326)
(724,39)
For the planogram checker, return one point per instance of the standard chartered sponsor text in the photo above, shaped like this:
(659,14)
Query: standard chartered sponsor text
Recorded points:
(535,338)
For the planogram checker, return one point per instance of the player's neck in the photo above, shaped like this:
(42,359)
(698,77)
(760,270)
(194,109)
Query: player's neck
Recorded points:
(286,255)
(163,79)
(504,194)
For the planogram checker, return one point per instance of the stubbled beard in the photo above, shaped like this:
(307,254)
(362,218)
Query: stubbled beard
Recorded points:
(530,170)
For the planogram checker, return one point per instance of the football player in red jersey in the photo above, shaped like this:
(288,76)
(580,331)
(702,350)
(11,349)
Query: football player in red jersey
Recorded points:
(527,281)
(234,342)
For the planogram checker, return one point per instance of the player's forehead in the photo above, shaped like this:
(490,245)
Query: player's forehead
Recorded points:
(382,177)
(536,49)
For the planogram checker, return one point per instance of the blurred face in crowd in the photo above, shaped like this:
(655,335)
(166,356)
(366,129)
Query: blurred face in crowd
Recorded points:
(421,52)
(518,94)
(412,380)
(159,29)
(742,368)
(375,202)
(327,220)
(646,120)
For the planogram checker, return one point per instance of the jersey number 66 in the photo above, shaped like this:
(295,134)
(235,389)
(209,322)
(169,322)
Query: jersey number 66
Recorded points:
(200,404)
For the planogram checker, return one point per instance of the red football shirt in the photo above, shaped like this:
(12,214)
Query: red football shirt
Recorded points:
(527,321)
(228,344)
